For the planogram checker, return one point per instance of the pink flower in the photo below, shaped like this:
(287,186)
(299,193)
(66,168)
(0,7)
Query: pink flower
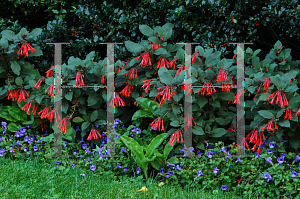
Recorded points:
(79,80)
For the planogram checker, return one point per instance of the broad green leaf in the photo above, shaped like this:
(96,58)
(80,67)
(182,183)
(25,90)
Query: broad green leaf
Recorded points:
(284,123)
(16,68)
(161,51)
(9,35)
(165,76)
(167,150)
(141,113)
(13,127)
(216,104)
(78,120)
(173,160)
(148,104)
(85,125)
(93,99)
(133,47)
(175,123)
(179,79)
(295,143)
(277,81)
(146,30)
(17,114)
(19,81)
(168,30)
(134,147)
(34,33)
(218,132)
(221,121)
(197,130)
(94,116)
(69,96)
(154,144)
(290,75)
(154,39)
(266,114)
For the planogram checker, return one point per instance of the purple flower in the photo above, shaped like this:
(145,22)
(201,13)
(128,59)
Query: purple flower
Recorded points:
(178,168)
(117,136)
(216,170)
(138,130)
(22,129)
(200,174)
(66,144)
(271,145)
(72,165)
(297,158)
(118,166)
(283,155)
(11,146)
(84,175)
(138,170)
(223,150)
(267,176)
(238,160)
(133,128)
(269,151)
(84,146)
(123,150)
(180,150)
(280,160)
(299,167)
(198,152)
(112,166)
(123,126)
(256,155)
(283,140)
(117,121)
(58,162)
(93,168)
(269,160)
(124,168)
(3,124)
(162,171)
(2,151)
(224,187)
(78,128)
(209,154)
(294,173)
(25,148)
(191,149)
(168,174)
(169,164)
(75,151)
(35,148)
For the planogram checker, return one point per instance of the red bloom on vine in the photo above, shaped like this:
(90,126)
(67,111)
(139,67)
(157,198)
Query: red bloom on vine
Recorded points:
(189,122)
(163,62)
(117,101)
(63,125)
(93,134)
(227,87)
(50,115)
(255,138)
(209,88)
(22,96)
(172,63)
(266,85)
(155,125)
(34,108)
(126,91)
(38,84)
(79,80)
(146,59)
(190,89)
(27,107)
(298,112)
(24,49)
(270,127)
(179,70)
(222,75)
(237,97)
(194,57)
(167,93)
(288,114)
(147,83)
(44,113)
(279,95)
(175,136)
(51,91)
(102,80)
(50,72)
(12,94)
(131,71)
(156,46)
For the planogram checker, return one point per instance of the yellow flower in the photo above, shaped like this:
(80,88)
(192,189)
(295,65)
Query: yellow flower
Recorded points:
(161,184)
(143,189)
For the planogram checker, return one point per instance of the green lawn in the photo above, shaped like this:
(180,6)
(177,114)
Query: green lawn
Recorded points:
(37,179)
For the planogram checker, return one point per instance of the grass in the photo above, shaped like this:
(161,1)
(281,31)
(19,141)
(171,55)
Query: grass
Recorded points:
(35,178)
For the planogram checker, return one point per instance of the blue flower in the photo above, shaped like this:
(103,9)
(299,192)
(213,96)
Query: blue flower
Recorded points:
(75,151)
(133,128)
(118,166)
(117,136)
(22,129)
(216,170)
(169,164)
(209,154)
(283,155)
(162,171)
(11,146)
(4,124)
(283,140)
(299,167)
(58,162)
(35,148)
(238,160)
(269,151)
(224,187)
(84,146)
(280,160)
(84,175)
(168,174)
(123,150)
(112,166)
(2,151)
(138,170)
(117,121)
(72,165)
(294,173)
(271,145)
(180,150)
(223,150)
(66,144)
(200,174)
(93,168)
(256,155)
(28,125)
(178,168)
(267,176)
(25,148)
(78,128)
(138,130)
(18,143)
(269,160)
(124,168)
(297,158)
(123,126)
(198,152)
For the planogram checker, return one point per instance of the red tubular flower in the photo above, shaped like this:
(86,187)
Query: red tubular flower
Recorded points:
(298,112)
(156,46)
(255,138)
(237,97)
(79,80)
(131,71)
(34,108)
(172,63)
(50,115)
(167,93)
(63,125)
(93,134)
(102,80)
(51,91)
(270,127)
(50,72)
(117,101)
(147,83)
(176,136)
(227,87)
(162,63)
(22,96)
(12,94)
(57,116)
(146,59)
(24,49)
(38,84)
(209,88)
(44,113)
(288,114)
(27,107)
(189,123)
(266,85)
(179,70)
(279,98)
(222,75)
(155,125)
(194,57)
(126,91)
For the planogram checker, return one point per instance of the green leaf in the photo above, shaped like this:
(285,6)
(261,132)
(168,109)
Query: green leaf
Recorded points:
(133,47)
(154,144)
(167,150)
(202,101)
(93,99)
(19,81)
(175,123)
(17,114)
(221,121)
(165,76)
(216,104)
(197,130)
(15,67)
(266,114)
(179,79)
(146,30)
(148,104)
(85,125)
(284,123)
(9,35)
(291,88)
(35,32)
(78,120)
(173,160)
(69,96)
(295,143)
(154,39)
(142,113)
(277,81)
(13,127)
(290,75)
(94,116)
(218,132)
(168,30)
(161,51)
(279,113)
